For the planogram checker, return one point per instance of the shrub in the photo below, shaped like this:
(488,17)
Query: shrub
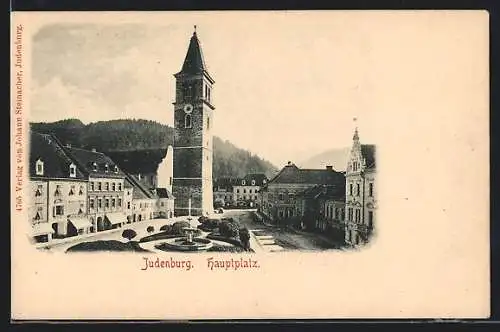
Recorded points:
(245,238)
(177,227)
(203,219)
(166,228)
(150,229)
(129,234)
(229,229)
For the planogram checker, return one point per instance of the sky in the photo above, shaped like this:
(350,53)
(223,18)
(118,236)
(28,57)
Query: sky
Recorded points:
(287,85)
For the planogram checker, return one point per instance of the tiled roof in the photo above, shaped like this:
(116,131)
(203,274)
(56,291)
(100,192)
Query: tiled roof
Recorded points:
(87,159)
(139,161)
(226,183)
(368,152)
(55,160)
(164,193)
(335,192)
(294,175)
(140,191)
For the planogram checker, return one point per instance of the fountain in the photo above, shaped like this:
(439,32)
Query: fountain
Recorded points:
(187,242)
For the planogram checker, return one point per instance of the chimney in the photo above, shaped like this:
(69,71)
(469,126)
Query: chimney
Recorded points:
(68,145)
(329,167)
(289,163)
(94,150)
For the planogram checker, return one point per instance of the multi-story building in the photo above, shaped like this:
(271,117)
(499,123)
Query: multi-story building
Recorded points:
(246,192)
(58,191)
(279,195)
(361,203)
(144,200)
(223,191)
(106,209)
(321,208)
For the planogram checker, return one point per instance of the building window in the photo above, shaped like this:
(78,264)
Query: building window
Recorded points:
(113,202)
(91,203)
(243,182)
(72,171)
(106,168)
(357,189)
(128,205)
(58,191)
(170,181)
(37,216)
(99,203)
(358,215)
(39,190)
(349,214)
(116,169)
(107,186)
(71,191)
(99,186)
(244,191)
(119,202)
(350,189)
(280,196)
(119,186)
(94,166)
(91,186)
(208,124)
(370,219)
(39,167)
(237,191)
(80,191)
(370,189)
(113,186)
(187,121)
(58,210)
(106,203)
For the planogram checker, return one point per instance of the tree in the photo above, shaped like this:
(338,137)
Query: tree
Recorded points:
(245,238)
(150,229)
(129,234)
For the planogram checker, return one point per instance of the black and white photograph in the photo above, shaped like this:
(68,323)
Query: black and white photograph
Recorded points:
(321,164)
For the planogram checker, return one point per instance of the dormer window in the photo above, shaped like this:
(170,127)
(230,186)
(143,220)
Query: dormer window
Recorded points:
(253,182)
(94,166)
(106,168)
(115,169)
(39,167)
(243,182)
(264,181)
(72,171)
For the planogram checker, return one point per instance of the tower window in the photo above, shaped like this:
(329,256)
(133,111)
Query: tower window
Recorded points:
(187,121)
(39,167)
(370,189)
(208,123)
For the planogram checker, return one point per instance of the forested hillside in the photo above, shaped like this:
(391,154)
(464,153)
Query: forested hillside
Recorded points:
(137,135)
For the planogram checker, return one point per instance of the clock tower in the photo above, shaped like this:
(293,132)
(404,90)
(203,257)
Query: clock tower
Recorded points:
(193,121)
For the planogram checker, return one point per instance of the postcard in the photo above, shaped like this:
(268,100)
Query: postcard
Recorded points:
(250,165)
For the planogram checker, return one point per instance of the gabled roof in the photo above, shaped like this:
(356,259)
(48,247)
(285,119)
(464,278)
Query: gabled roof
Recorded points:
(194,63)
(291,174)
(94,163)
(139,190)
(368,152)
(50,151)
(226,183)
(164,193)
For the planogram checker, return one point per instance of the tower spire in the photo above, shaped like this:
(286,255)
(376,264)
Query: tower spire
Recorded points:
(356,135)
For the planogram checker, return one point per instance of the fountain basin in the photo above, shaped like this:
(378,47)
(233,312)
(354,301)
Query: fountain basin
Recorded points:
(183,244)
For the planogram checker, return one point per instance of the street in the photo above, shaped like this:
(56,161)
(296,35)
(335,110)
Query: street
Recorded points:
(287,239)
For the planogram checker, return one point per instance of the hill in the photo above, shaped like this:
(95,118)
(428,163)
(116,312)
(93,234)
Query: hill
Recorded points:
(334,157)
(149,138)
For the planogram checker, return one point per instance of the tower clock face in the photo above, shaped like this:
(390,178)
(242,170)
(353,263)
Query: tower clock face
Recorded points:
(188,108)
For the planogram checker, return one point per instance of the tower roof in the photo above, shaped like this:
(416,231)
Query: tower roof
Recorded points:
(194,63)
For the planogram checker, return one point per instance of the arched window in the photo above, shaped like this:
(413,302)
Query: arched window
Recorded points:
(39,167)
(187,121)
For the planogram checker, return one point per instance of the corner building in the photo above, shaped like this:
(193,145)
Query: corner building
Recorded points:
(193,121)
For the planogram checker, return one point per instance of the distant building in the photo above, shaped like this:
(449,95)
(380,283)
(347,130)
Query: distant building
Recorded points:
(58,191)
(223,191)
(280,194)
(246,191)
(361,202)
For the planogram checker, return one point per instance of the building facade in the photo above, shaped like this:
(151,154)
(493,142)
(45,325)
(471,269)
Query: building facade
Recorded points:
(224,192)
(193,122)
(281,203)
(106,190)
(58,191)
(361,202)
(246,191)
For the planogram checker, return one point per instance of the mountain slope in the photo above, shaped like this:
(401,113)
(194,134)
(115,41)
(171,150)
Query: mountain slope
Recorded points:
(118,136)
(335,157)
